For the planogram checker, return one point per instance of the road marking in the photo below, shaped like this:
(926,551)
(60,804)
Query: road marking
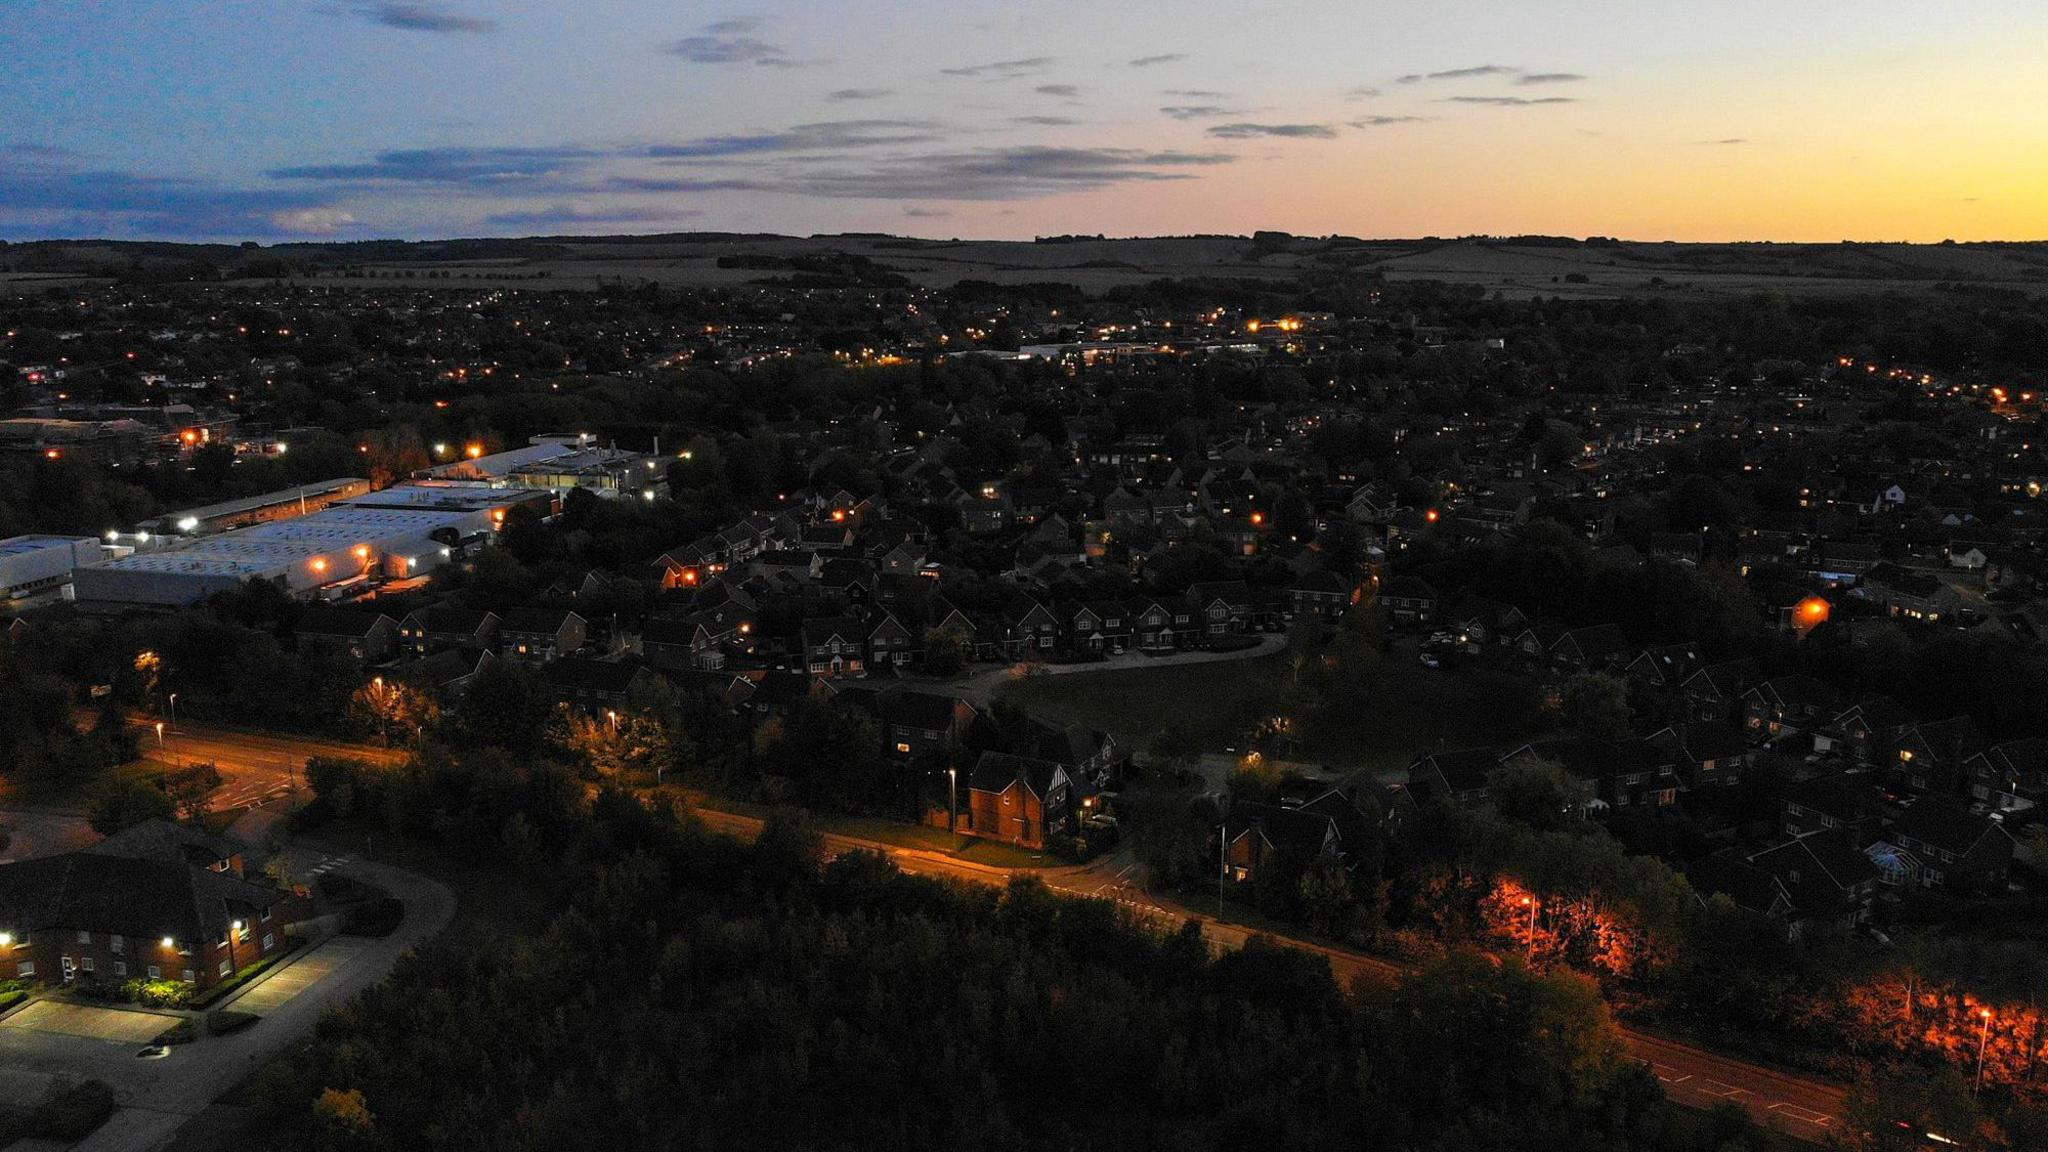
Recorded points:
(1805,1115)
(1661,1069)
(1726,1091)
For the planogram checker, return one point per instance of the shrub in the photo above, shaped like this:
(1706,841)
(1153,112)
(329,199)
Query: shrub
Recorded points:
(158,993)
(10,999)
(222,1021)
(182,1032)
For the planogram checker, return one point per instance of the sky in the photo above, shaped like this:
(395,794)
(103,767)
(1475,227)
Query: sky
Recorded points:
(1815,120)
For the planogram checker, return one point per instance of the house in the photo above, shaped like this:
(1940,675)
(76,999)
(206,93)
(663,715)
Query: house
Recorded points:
(836,646)
(1616,775)
(1481,622)
(1666,666)
(363,635)
(922,725)
(597,685)
(1019,799)
(1939,844)
(1462,776)
(1788,704)
(1098,628)
(1932,757)
(2009,776)
(1908,595)
(1162,626)
(1257,836)
(157,902)
(1029,629)
(1816,877)
(538,635)
(446,674)
(1596,646)
(1709,752)
(1848,801)
(438,629)
(1864,731)
(1715,692)
(1410,600)
(1222,606)
(1321,594)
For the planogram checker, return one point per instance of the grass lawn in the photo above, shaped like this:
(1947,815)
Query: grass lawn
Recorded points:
(1412,708)
(71,797)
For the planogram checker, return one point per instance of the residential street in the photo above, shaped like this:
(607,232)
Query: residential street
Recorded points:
(256,768)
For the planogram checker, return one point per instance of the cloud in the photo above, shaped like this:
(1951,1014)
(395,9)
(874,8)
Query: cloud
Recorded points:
(1246,131)
(1387,121)
(917,213)
(455,165)
(1194,93)
(1724,141)
(61,200)
(835,135)
(1510,101)
(988,174)
(557,216)
(1062,90)
(860,94)
(1003,69)
(1046,121)
(1200,111)
(1363,92)
(730,42)
(1549,78)
(424,17)
(1472,73)
(1162,58)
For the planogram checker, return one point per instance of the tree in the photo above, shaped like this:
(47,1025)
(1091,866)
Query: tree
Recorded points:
(188,788)
(391,709)
(945,650)
(120,802)
(1537,792)
(1597,705)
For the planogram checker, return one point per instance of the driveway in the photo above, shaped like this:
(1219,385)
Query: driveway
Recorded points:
(159,1096)
(125,1026)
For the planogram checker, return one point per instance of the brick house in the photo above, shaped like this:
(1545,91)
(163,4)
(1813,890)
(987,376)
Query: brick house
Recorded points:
(364,635)
(438,629)
(538,635)
(156,902)
(1018,799)
(1257,835)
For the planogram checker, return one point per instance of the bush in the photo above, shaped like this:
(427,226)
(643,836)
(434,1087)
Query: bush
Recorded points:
(222,1021)
(71,1113)
(10,999)
(182,1032)
(158,993)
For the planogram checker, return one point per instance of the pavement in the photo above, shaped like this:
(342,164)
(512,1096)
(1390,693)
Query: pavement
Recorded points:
(1800,1106)
(158,1097)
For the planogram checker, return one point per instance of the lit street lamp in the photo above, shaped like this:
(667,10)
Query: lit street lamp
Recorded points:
(159,735)
(952,799)
(174,709)
(1983,1039)
(1530,904)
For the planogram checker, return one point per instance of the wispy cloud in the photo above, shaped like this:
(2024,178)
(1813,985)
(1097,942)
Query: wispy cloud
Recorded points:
(1510,101)
(1247,131)
(1046,121)
(731,42)
(844,94)
(1549,78)
(459,165)
(1472,73)
(988,174)
(1003,69)
(1062,90)
(1724,141)
(917,213)
(424,17)
(829,136)
(1362,92)
(1200,111)
(1162,58)
(576,216)
(60,200)
(1194,93)
(1389,121)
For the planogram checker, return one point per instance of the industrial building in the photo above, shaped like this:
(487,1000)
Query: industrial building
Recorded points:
(32,566)
(560,461)
(392,534)
(230,514)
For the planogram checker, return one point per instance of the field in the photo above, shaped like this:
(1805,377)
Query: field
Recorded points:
(1513,266)
(1413,709)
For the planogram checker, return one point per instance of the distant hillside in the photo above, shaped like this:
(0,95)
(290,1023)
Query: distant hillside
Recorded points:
(1515,266)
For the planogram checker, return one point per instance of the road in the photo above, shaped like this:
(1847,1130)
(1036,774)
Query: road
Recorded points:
(257,769)
(1797,1105)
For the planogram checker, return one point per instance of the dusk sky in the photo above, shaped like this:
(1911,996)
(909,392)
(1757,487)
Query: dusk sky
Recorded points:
(1730,119)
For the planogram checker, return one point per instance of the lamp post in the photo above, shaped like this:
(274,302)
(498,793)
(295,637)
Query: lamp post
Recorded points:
(174,709)
(159,735)
(952,799)
(1983,1040)
(1530,904)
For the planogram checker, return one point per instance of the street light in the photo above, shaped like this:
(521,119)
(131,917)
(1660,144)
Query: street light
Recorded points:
(1530,904)
(174,708)
(952,799)
(1983,1039)
(159,735)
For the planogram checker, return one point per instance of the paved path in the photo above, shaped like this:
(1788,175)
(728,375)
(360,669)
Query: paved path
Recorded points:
(978,686)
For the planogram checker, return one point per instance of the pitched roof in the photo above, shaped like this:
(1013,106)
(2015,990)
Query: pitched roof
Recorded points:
(126,895)
(996,771)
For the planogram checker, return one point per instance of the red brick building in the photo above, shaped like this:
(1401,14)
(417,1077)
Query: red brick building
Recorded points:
(1019,799)
(156,902)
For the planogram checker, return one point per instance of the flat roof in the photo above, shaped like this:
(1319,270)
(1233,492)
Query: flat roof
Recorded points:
(22,545)
(266,500)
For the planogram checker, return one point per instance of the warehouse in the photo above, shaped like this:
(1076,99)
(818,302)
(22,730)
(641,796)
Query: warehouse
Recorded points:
(32,566)
(230,514)
(333,553)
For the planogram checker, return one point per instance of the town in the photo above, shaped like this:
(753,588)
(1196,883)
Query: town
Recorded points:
(1688,655)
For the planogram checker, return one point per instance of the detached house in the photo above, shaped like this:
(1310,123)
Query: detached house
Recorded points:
(1019,799)
(596,685)
(439,629)
(538,635)
(1813,878)
(1938,844)
(835,646)
(1256,836)
(2011,775)
(1322,594)
(1708,752)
